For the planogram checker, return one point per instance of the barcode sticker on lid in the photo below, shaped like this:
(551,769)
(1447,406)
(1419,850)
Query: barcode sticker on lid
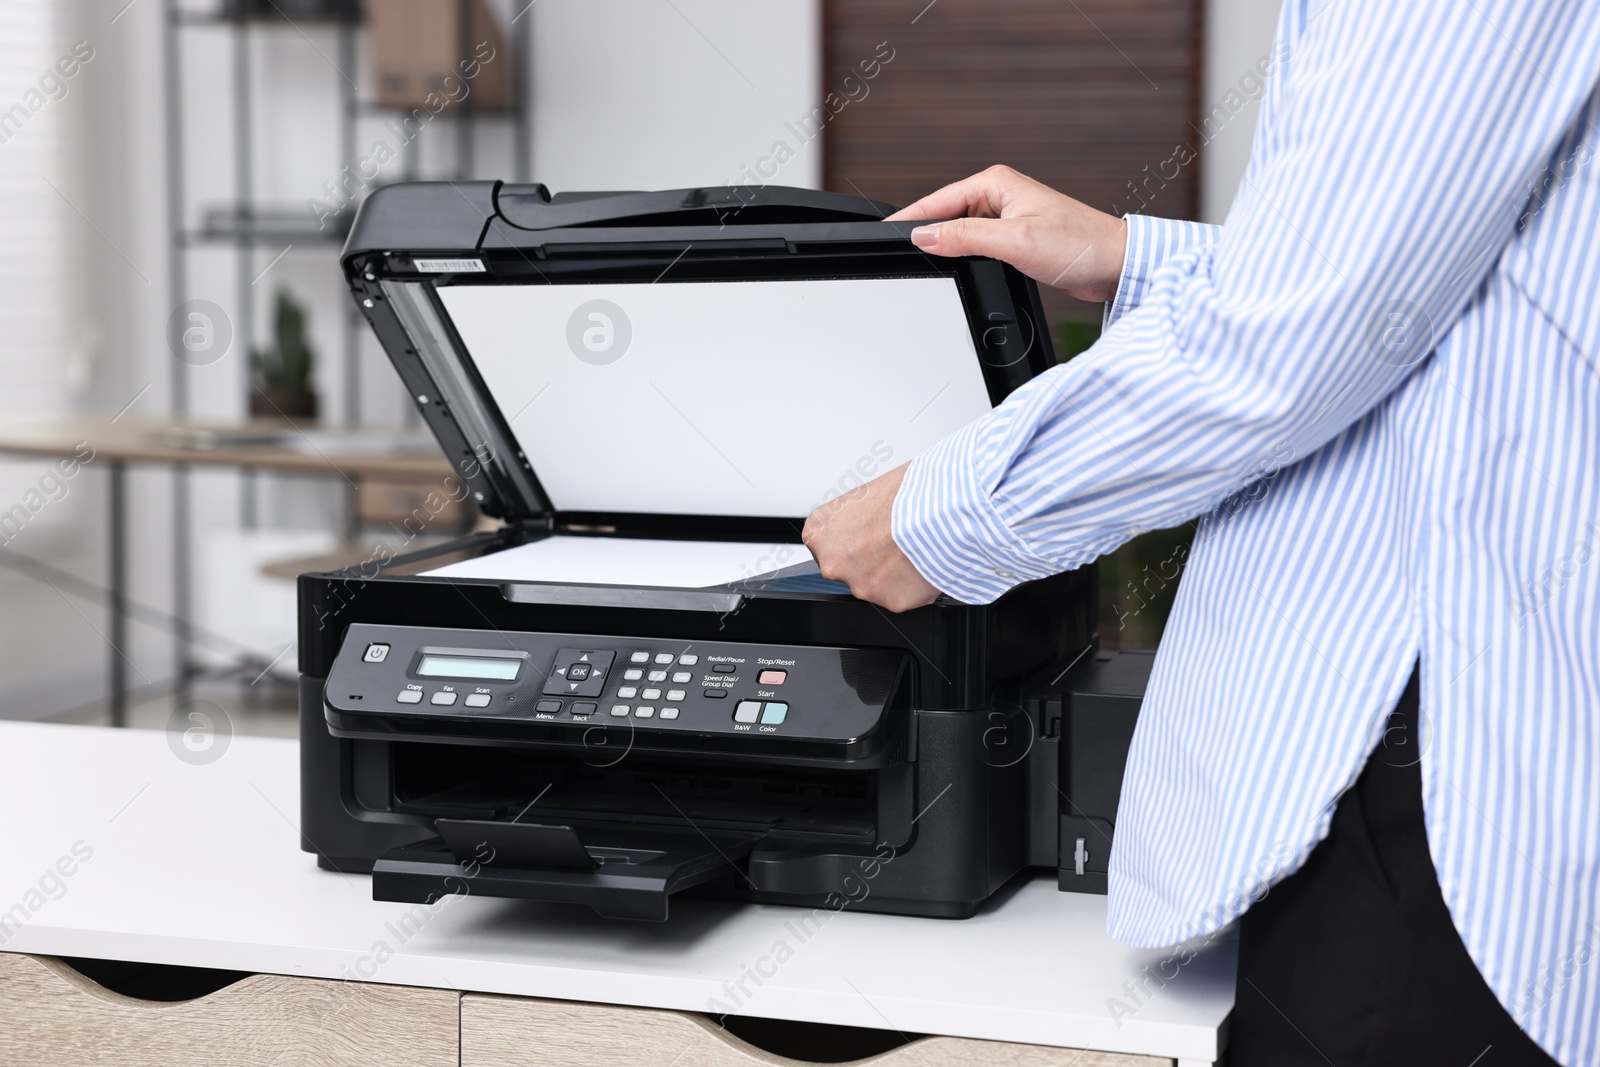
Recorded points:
(449,266)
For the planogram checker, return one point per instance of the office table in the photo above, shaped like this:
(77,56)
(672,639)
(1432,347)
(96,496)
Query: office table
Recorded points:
(200,866)
(120,440)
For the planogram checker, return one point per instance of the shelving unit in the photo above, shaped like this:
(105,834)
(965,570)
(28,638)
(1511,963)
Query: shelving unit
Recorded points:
(253,230)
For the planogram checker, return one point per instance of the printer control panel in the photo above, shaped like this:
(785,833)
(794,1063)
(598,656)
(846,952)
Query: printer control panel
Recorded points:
(703,688)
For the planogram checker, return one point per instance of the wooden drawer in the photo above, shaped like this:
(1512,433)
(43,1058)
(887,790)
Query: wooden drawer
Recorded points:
(55,1016)
(524,1032)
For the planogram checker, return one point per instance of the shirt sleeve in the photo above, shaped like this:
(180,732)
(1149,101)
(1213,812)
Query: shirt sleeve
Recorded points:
(1151,242)
(1382,186)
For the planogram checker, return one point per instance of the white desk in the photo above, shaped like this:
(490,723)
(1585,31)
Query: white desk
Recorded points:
(201,866)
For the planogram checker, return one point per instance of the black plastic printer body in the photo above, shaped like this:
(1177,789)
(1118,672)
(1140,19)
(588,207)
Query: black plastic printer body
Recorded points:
(639,684)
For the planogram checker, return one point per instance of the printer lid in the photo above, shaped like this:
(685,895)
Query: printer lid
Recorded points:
(692,362)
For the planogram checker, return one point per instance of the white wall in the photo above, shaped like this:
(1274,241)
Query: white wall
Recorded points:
(625,94)
(46,234)
(1238,35)
(631,95)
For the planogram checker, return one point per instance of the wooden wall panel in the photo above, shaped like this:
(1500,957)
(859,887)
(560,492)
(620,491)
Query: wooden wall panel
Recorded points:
(1082,94)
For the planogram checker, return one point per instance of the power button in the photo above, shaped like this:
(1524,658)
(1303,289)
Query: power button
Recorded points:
(376,653)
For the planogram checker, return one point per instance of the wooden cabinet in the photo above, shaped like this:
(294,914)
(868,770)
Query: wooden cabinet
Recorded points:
(55,1017)
(524,1032)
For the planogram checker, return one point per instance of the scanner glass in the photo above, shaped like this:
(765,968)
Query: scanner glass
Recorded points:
(743,398)
(681,564)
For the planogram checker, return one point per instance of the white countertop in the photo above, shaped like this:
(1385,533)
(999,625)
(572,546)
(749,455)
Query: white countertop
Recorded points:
(201,866)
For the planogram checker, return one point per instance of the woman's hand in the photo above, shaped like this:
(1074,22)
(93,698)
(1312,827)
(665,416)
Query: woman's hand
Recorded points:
(850,539)
(1004,215)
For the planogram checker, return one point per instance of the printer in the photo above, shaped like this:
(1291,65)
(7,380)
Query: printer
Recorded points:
(639,684)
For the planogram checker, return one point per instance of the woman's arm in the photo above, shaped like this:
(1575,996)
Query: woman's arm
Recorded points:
(1379,194)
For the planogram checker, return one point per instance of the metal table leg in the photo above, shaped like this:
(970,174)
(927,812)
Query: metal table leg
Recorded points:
(182,631)
(118,568)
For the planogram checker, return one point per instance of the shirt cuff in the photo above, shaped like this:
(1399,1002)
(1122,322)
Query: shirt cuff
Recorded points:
(945,523)
(1151,241)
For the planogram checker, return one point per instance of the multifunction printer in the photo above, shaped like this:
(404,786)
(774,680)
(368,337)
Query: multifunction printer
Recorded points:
(638,684)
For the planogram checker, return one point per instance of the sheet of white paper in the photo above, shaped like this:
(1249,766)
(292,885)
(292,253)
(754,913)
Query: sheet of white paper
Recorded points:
(628,561)
(721,398)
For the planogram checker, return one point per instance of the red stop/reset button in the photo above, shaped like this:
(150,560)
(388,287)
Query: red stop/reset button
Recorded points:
(772,677)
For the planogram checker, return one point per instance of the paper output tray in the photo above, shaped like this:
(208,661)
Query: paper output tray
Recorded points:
(621,874)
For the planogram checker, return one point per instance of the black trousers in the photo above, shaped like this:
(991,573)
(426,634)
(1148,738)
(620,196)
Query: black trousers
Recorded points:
(1353,960)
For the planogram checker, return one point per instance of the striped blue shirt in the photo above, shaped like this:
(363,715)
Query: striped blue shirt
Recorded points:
(1379,381)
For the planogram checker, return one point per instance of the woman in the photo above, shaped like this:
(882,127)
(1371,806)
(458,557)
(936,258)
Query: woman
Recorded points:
(1379,692)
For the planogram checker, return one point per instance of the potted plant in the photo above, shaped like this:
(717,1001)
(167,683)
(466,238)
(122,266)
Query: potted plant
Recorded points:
(281,372)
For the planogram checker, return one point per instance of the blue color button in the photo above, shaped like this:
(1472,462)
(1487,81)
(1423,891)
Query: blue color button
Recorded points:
(774,713)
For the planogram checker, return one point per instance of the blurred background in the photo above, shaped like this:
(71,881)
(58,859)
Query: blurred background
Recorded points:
(191,412)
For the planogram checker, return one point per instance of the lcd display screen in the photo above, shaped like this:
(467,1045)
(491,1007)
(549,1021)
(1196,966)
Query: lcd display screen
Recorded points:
(758,398)
(487,668)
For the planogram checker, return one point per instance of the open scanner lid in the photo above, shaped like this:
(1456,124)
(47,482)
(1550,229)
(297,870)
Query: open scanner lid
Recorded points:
(693,362)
